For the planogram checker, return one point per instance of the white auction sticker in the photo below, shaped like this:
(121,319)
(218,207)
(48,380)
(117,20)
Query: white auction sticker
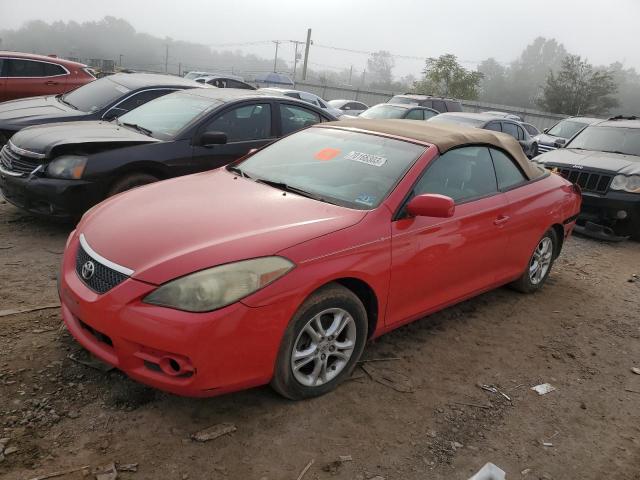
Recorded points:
(369,159)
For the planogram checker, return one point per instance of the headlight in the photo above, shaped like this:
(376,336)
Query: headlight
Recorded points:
(67,166)
(219,286)
(628,184)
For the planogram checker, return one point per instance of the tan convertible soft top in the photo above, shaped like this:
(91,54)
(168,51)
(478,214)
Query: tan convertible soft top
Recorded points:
(445,137)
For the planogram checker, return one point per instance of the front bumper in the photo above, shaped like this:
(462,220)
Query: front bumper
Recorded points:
(188,354)
(613,216)
(50,197)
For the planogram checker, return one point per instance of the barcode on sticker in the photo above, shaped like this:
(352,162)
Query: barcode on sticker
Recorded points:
(369,159)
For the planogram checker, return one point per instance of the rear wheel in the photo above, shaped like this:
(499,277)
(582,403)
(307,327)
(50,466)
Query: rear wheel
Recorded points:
(539,265)
(130,181)
(322,344)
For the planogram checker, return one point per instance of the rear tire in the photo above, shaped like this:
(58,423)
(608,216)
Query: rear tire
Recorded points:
(130,181)
(540,264)
(322,344)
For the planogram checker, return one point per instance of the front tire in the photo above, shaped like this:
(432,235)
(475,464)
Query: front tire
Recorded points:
(322,344)
(539,265)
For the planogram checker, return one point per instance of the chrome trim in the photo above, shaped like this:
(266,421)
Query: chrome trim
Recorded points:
(99,258)
(11,174)
(25,153)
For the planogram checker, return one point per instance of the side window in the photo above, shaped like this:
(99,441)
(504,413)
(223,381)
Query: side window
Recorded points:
(510,128)
(426,103)
(465,173)
(507,171)
(453,106)
(495,126)
(241,124)
(294,118)
(141,98)
(293,95)
(415,114)
(25,68)
(231,83)
(439,105)
(428,114)
(3,62)
(356,106)
(52,70)
(521,135)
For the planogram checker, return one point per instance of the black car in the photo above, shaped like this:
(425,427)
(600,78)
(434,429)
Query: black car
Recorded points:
(558,135)
(440,104)
(63,169)
(604,160)
(388,110)
(102,99)
(491,122)
(221,81)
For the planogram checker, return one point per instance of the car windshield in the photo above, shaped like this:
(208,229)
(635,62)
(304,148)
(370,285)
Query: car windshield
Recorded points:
(95,95)
(384,111)
(566,128)
(164,117)
(608,139)
(457,120)
(352,169)
(403,100)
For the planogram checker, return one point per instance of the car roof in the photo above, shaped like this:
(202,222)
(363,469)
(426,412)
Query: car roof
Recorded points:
(622,122)
(44,58)
(588,120)
(134,81)
(477,116)
(417,96)
(444,137)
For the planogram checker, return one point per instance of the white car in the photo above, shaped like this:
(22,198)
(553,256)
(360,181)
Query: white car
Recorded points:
(509,116)
(307,97)
(349,107)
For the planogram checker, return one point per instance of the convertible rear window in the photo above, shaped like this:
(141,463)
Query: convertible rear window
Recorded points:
(352,169)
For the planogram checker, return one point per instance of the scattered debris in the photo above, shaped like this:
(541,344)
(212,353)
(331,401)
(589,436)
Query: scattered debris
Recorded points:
(16,311)
(92,362)
(10,450)
(489,472)
(456,445)
(635,370)
(214,432)
(631,390)
(127,467)
(60,473)
(526,471)
(543,388)
(345,458)
(107,472)
(6,247)
(494,389)
(547,444)
(334,466)
(390,378)
(305,469)
(634,278)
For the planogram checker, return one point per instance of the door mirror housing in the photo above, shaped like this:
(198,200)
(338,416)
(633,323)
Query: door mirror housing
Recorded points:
(545,130)
(431,205)
(559,143)
(212,138)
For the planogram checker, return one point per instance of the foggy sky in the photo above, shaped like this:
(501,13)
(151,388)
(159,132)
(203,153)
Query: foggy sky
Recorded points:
(473,30)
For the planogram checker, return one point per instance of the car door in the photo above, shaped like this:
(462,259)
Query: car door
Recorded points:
(30,78)
(436,261)
(3,80)
(248,125)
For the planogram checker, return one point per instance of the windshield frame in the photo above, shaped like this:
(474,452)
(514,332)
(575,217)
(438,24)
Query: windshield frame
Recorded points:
(235,167)
(607,127)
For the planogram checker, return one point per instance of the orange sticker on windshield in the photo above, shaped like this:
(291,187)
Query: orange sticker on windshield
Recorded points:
(327,154)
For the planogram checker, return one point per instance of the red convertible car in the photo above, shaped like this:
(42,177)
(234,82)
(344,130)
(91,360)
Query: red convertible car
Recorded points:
(279,267)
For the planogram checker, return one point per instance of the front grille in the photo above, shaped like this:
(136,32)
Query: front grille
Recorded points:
(103,278)
(588,181)
(13,162)
(545,148)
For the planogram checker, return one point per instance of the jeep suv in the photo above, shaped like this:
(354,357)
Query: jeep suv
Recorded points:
(604,160)
(440,104)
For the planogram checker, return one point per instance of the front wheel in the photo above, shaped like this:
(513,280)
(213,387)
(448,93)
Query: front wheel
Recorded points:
(322,344)
(539,265)
(130,181)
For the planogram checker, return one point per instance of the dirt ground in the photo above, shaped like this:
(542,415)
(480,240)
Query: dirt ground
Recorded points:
(581,333)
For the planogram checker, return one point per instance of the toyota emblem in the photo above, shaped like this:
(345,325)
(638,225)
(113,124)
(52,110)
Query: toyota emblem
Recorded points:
(88,270)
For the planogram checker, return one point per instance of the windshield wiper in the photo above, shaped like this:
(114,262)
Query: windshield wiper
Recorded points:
(137,127)
(61,99)
(239,171)
(615,151)
(289,188)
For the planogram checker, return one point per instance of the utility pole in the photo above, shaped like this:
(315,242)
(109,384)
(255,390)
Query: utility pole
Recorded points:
(166,58)
(364,71)
(295,57)
(120,61)
(306,55)
(350,74)
(275,59)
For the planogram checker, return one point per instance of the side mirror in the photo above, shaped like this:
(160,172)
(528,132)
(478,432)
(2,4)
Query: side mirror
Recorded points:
(212,138)
(559,143)
(545,130)
(431,205)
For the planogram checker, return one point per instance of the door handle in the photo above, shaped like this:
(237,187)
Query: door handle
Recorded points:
(50,82)
(501,220)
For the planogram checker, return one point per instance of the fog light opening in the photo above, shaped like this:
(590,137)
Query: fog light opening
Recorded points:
(621,214)
(172,366)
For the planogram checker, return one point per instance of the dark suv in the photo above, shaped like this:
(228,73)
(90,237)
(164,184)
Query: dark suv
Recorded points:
(440,104)
(604,160)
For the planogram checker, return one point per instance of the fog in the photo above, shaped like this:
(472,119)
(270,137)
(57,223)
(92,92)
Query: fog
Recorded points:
(472,30)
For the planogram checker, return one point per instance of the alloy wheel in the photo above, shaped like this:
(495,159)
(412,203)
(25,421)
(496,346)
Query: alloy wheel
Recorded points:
(541,260)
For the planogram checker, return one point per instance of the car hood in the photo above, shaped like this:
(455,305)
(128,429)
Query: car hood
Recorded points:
(31,111)
(169,229)
(44,138)
(612,162)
